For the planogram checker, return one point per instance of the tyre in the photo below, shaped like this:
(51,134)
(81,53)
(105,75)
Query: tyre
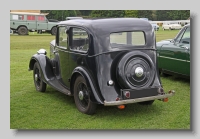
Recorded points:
(53,31)
(82,97)
(163,28)
(22,31)
(39,84)
(135,70)
(147,102)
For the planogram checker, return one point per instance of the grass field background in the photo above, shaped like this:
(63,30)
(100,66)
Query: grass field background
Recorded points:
(30,109)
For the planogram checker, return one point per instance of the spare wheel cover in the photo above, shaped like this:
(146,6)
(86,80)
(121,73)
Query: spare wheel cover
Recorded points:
(135,70)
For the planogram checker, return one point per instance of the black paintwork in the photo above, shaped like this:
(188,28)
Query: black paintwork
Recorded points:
(102,61)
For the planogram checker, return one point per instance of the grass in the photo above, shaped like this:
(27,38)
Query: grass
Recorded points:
(30,109)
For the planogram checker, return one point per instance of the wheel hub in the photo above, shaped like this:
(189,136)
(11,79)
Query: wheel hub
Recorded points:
(80,95)
(36,77)
(139,72)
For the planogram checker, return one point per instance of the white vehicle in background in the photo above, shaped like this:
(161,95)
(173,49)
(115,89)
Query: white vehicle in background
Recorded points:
(171,26)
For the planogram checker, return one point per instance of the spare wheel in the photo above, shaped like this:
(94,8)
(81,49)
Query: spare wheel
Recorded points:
(135,70)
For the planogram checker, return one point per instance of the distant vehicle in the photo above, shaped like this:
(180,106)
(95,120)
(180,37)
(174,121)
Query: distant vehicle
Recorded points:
(145,19)
(22,22)
(155,26)
(70,18)
(171,26)
(174,54)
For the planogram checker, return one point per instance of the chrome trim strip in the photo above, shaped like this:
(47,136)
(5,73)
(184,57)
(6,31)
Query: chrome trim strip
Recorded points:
(174,59)
(120,102)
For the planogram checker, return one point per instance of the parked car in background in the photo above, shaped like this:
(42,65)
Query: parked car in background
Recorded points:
(111,63)
(23,22)
(174,54)
(155,26)
(171,26)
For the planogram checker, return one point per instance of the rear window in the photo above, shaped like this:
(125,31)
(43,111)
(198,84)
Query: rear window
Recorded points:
(18,17)
(127,38)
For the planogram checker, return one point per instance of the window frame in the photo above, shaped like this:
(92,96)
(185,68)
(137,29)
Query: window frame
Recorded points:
(58,37)
(128,45)
(35,18)
(18,15)
(70,34)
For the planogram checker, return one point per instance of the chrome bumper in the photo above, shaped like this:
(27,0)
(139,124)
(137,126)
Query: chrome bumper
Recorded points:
(128,101)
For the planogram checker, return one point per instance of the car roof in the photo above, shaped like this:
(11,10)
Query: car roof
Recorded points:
(108,25)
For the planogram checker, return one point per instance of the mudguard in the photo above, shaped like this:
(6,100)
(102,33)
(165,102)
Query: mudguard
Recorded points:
(94,93)
(45,65)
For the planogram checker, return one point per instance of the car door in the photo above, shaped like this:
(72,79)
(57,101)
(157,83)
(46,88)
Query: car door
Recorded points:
(31,22)
(42,23)
(62,57)
(185,43)
(174,56)
(79,45)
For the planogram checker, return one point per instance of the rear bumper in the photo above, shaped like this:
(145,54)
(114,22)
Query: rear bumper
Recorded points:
(136,100)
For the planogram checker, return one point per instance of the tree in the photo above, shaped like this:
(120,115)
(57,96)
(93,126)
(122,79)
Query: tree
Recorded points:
(131,13)
(85,12)
(162,15)
(179,14)
(59,14)
(107,13)
(145,14)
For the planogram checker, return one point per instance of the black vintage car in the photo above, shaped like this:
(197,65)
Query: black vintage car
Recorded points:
(103,61)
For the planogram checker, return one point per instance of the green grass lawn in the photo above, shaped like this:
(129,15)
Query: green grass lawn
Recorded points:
(30,109)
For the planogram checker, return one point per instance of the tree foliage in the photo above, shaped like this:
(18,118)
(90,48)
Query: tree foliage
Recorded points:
(161,15)
(59,14)
(131,13)
(145,14)
(107,13)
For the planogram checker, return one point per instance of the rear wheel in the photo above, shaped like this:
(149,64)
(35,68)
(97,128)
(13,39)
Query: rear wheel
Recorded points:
(22,31)
(39,84)
(82,97)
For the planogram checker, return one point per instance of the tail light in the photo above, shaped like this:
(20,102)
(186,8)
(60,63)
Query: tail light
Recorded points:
(127,94)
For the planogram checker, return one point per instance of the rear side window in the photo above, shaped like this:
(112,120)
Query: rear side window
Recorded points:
(80,40)
(40,18)
(127,38)
(18,17)
(30,17)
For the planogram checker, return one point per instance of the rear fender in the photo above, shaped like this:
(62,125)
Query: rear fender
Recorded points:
(94,93)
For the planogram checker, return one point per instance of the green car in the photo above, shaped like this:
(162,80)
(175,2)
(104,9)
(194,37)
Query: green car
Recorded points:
(174,54)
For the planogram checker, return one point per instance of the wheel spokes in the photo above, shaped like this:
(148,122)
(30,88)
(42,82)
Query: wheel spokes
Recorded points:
(83,92)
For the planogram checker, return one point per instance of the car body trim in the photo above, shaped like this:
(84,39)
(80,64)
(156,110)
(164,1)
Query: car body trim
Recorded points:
(120,102)
(174,58)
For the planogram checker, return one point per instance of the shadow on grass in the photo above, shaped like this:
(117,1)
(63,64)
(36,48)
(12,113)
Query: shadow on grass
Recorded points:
(130,109)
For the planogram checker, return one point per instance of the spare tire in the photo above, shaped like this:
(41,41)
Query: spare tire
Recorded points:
(135,70)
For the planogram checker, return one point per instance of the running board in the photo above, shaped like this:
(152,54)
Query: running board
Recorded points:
(56,85)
